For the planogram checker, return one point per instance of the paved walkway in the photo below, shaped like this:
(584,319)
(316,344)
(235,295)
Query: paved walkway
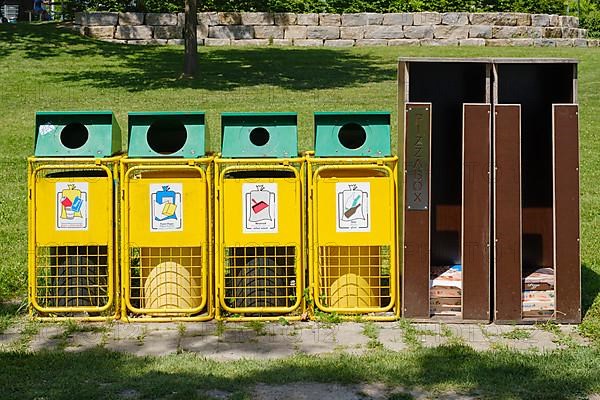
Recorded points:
(231,341)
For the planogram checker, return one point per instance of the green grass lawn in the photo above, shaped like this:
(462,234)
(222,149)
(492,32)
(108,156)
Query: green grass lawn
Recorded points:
(46,68)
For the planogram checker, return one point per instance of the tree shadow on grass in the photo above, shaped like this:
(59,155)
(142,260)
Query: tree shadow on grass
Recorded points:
(103,374)
(140,68)
(590,287)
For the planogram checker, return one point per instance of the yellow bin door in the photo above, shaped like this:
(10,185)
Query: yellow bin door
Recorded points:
(73,238)
(166,240)
(353,228)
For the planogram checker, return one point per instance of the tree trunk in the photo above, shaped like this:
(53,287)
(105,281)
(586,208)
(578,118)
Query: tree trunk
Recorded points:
(190,63)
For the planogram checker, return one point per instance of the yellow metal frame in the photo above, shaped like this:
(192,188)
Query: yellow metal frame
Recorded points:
(129,165)
(389,165)
(222,167)
(36,165)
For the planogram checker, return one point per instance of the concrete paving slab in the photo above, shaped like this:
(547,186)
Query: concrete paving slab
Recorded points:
(47,338)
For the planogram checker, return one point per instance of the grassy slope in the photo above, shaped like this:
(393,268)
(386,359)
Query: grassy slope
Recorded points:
(44,68)
(498,374)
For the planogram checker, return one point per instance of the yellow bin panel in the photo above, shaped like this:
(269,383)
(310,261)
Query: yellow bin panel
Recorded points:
(169,211)
(265,211)
(73,210)
(354,211)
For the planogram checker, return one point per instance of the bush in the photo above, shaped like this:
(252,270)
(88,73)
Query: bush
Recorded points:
(338,6)
(591,22)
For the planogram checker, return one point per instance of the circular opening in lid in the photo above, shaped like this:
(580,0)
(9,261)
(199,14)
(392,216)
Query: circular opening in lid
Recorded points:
(166,137)
(352,136)
(73,136)
(259,136)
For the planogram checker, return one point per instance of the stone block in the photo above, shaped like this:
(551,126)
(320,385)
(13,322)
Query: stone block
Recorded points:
(295,32)
(284,19)
(352,32)
(339,43)
(217,42)
(450,32)
(358,19)
(100,32)
(472,42)
(540,20)
(209,18)
(593,42)
(498,42)
(439,42)
(282,42)
(268,32)
(80,18)
(554,20)
(480,31)
(181,19)
(230,18)
(569,33)
(404,42)
(523,42)
(509,32)
(523,19)
(257,18)
(131,18)
(483,18)
(544,43)
(582,33)
(323,32)
(102,18)
(161,19)
(308,19)
(371,42)
(202,30)
(455,18)
(564,42)
(568,21)
(308,42)
(418,32)
(168,32)
(250,42)
(535,32)
(580,43)
(427,18)
(374,18)
(181,42)
(231,32)
(552,32)
(134,32)
(148,42)
(506,19)
(328,19)
(398,19)
(384,32)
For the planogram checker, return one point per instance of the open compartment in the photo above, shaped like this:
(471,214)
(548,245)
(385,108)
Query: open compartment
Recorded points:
(445,114)
(537,207)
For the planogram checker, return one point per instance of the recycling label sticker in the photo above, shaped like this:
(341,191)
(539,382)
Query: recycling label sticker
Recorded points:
(46,128)
(260,208)
(71,206)
(353,211)
(166,207)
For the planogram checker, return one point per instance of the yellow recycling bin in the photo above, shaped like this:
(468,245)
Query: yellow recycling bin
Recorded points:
(352,216)
(166,219)
(72,197)
(259,218)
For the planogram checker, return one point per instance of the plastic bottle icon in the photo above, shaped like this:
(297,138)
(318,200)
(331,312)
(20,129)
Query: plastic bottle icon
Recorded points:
(71,202)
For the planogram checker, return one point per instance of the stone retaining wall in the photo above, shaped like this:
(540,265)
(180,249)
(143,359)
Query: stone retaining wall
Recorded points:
(340,30)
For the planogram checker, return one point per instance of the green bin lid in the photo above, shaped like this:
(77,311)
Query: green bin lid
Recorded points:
(352,134)
(77,134)
(166,134)
(259,135)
